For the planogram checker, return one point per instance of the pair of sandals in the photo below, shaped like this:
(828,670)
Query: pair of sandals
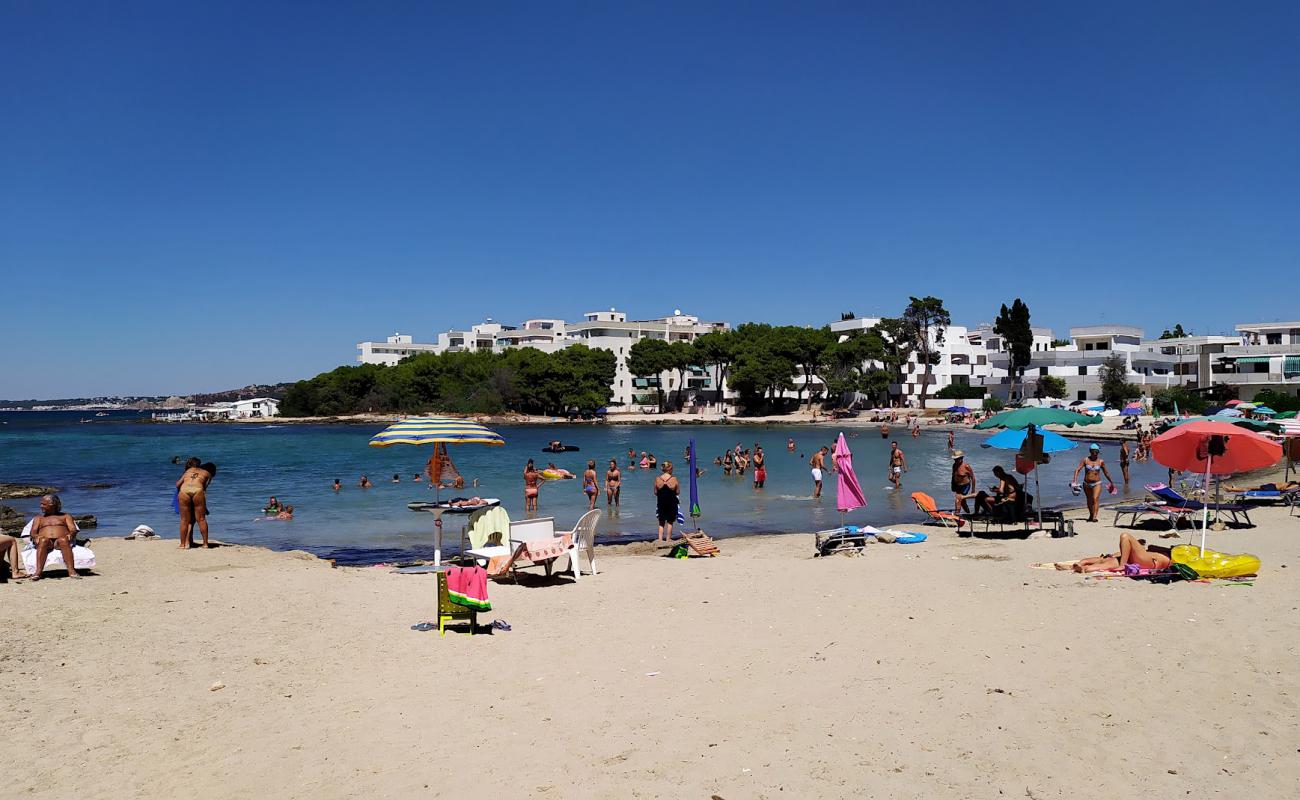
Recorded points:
(497,625)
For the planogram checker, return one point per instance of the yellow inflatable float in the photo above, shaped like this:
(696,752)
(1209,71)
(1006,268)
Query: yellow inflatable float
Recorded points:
(1213,564)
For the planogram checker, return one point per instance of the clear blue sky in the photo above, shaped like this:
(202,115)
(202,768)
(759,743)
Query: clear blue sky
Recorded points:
(194,196)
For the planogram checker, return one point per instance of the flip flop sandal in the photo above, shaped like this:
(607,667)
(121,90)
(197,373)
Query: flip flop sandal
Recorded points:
(424,626)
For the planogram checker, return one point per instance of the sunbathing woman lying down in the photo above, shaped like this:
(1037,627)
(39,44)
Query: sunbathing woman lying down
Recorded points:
(1289,486)
(1131,551)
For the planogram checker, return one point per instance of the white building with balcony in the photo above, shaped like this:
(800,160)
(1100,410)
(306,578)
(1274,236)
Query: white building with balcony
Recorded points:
(962,359)
(388,353)
(611,330)
(1079,364)
(547,335)
(1267,356)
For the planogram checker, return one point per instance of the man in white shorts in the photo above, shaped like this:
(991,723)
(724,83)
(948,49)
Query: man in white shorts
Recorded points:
(897,465)
(817,462)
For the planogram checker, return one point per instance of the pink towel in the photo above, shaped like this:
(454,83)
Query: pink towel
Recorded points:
(467,586)
(544,549)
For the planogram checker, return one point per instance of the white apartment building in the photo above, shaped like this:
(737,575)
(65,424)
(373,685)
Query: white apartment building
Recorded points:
(547,335)
(1266,357)
(1079,364)
(388,353)
(962,358)
(611,330)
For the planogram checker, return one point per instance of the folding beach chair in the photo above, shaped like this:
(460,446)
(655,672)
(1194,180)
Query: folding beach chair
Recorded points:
(699,543)
(925,503)
(1238,511)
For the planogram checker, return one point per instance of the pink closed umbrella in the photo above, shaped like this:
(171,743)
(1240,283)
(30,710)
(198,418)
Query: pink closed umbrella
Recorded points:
(848,493)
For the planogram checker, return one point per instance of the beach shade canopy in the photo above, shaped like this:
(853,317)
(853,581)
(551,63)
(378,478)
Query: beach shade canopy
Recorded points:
(1013,439)
(434,430)
(1021,418)
(1232,402)
(695,481)
(1264,410)
(848,492)
(957,410)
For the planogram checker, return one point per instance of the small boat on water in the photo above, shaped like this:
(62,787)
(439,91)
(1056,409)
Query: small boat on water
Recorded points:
(102,414)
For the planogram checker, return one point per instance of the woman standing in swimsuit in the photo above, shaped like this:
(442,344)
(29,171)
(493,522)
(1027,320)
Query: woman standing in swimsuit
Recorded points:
(613,483)
(193,498)
(666,490)
(1093,467)
(589,485)
(532,485)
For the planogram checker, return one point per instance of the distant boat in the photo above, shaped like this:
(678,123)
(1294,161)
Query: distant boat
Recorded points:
(84,421)
(102,414)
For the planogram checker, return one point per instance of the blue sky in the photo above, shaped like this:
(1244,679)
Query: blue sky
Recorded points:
(195,196)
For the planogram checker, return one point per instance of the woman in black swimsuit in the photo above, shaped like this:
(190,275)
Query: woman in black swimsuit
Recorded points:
(666,489)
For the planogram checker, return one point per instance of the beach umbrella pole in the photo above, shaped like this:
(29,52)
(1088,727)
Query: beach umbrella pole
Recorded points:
(1205,507)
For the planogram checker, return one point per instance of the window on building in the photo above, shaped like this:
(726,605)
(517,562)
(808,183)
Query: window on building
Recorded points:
(981,360)
(1042,370)
(1273,338)
(1102,346)
(1083,395)
(1083,371)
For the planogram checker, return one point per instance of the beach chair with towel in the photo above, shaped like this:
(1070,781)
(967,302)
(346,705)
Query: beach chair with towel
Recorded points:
(486,534)
(462,594)
(926,503)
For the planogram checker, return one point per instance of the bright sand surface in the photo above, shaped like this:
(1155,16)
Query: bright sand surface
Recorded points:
(946,669)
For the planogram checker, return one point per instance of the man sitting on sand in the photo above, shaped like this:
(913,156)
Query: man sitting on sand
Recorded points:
(1131,551)
(53,529)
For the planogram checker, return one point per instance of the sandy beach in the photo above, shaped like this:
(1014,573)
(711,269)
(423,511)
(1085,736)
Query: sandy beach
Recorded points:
(947,669)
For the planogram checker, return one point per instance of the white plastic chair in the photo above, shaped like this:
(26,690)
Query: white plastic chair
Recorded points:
(583,538)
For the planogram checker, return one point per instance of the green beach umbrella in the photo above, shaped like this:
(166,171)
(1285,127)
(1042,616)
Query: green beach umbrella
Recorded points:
(1020,418)
(1286,415)
(1257,425)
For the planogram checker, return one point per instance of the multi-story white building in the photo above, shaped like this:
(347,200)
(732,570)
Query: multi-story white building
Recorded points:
(611,330)
(388,353)
(547,335)
(962,358)
(1266,357)
(1079,364)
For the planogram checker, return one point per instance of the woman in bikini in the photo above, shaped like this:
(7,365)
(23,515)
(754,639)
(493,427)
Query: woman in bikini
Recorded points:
(1093,467)
(193,498)
(532,486)
(50,530)
(1131,551)
(589,484)
(613,483)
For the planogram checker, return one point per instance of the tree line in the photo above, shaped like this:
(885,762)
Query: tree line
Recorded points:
(524,380)
(760,363)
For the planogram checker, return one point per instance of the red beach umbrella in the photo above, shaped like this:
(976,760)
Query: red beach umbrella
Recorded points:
(1214,448)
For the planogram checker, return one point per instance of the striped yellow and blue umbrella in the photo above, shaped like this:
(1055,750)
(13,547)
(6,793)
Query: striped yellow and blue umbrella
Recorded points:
(436,430)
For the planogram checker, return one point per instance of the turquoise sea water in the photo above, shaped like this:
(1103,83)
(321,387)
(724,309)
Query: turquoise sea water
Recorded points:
(298,463)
